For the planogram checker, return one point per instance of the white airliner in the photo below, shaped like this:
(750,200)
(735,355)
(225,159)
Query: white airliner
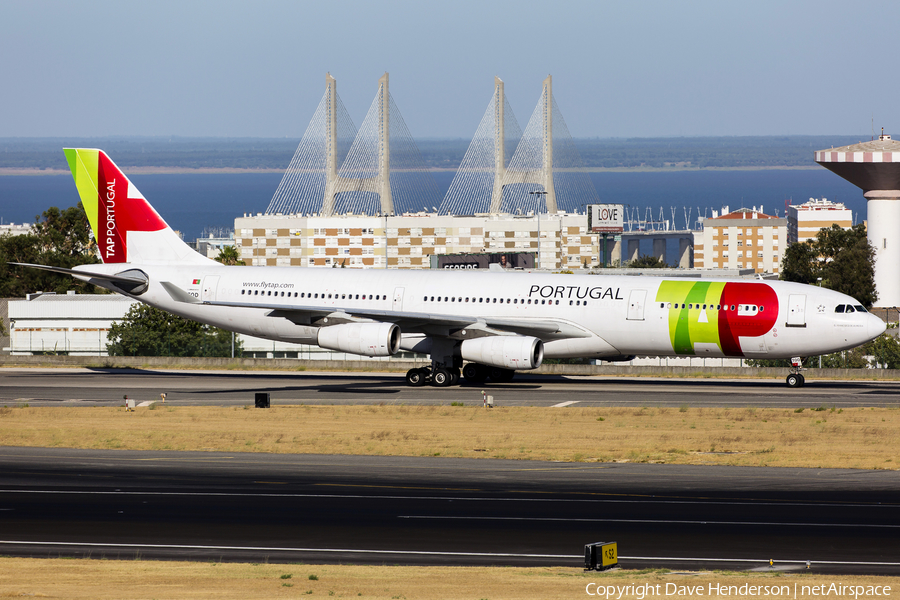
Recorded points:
(478,324)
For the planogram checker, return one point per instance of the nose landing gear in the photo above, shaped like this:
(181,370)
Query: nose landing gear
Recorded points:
(795,379)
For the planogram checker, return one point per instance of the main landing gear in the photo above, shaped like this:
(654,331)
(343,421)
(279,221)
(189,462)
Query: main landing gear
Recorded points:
(440,376)
(796,379)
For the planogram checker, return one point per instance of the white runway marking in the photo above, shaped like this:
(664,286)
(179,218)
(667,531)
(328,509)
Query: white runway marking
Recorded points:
(593,500)
(654,521)
(564,404)
(280,549)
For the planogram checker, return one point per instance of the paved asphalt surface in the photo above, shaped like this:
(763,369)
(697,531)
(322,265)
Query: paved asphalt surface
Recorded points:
(312,508)
(50,387)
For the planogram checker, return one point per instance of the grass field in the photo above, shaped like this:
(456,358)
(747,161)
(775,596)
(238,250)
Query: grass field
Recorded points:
(861,438)
(102,579)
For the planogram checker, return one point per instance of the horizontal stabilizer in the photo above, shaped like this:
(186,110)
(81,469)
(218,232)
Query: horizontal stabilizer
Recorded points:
(129,279)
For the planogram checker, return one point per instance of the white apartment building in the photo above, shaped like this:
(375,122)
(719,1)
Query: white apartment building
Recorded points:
(805,220)
(561,241)
(743,239)
(211,246)
(13,229)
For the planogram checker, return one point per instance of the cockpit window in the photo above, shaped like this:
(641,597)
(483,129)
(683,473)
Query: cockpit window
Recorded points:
(849,308)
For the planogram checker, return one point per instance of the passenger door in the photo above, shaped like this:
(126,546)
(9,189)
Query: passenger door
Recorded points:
(796,310)
(210,283)
(398,299)
(636,300)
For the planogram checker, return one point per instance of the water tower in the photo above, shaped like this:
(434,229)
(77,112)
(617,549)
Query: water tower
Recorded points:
(875,167)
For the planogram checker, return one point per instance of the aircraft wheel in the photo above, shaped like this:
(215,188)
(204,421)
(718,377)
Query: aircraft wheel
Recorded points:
(474,372)
(802,380)
(794,380)
(441,378)
(416,377)
(454,376)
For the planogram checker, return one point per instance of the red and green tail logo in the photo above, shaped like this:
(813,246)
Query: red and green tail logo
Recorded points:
(114,206)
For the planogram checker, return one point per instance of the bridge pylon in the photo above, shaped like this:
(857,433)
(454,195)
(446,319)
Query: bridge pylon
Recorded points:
(380,183)
(547,144)
(499,142)
(522,168)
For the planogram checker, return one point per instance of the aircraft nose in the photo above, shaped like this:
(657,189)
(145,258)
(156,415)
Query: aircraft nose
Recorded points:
(875,327)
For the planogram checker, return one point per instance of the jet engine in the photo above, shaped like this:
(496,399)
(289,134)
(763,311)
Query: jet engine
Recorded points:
(504,351)
(368,339)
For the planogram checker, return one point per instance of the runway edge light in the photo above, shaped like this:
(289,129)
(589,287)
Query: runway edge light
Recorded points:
(600,556)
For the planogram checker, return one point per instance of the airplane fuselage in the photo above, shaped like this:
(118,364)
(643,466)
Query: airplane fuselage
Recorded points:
(471,324)
(614,315)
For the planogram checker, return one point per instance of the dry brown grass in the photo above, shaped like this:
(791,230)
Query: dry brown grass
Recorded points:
(101,579)
(866,438)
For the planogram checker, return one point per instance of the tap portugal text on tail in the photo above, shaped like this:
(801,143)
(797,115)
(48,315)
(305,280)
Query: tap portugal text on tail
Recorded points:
(478,324)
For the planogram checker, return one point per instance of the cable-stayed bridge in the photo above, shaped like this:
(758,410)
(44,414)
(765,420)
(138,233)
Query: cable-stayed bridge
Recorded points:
(339,169)
(542,175)
(378,170)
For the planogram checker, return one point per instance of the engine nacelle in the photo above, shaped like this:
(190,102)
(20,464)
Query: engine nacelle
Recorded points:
(505,351)
(368,339)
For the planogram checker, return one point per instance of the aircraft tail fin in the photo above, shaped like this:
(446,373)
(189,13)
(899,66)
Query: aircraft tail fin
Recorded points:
(125,225)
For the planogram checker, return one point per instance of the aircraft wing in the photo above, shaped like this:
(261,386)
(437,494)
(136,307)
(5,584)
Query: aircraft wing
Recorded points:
(409,322)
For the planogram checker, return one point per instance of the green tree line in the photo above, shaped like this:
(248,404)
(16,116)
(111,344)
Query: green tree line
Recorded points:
(59,238)
(842,260)
(62,238)
(148,331)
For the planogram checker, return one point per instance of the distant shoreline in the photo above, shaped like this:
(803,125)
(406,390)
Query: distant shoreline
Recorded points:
(10,171)
(141,171)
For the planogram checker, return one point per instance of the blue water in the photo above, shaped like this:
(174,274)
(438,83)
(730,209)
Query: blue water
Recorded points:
(190,203)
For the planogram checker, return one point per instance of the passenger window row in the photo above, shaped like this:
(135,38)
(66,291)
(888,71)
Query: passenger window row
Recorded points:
(692,306)
(498,300)
(314,296)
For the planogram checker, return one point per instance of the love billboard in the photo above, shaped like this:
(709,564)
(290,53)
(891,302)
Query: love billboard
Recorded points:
(606,218)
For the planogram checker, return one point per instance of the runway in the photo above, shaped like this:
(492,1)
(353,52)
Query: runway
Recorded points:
(389,510)
(312,508)
(101,387)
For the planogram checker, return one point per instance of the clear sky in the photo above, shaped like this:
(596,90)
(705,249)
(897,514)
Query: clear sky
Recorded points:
(620,69)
